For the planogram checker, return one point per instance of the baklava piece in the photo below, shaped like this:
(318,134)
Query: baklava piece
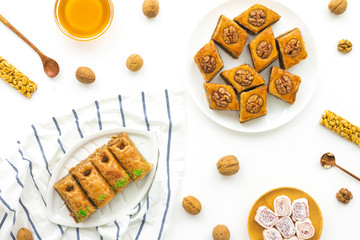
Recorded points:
(221,97)
(242,77)
(291,47)
(263,49)
(110,168)
(229,36)
(75,198)
(257,18)
(209,61)
(95,186)
(253,103)
(129,156)
(284,85)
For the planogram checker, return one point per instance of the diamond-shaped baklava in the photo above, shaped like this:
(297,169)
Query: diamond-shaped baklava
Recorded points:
(257,18)
(284,85)
(229,36)
(253,103)
(242,77)
(221,97)
(291,47)
(263,49)
(209,61)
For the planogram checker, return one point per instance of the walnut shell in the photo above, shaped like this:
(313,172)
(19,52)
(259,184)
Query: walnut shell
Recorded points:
(85,75)
(134,62)
(228,165)
(221,232)
(337,6)
(24,234)
(150,8)
(192,205)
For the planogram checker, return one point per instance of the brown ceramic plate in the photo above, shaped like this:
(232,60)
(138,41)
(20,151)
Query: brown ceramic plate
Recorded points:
(267,199)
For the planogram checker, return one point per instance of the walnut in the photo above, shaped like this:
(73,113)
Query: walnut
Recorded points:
(222,97)
(337,6)
(208,64)
(344,45)
(293,47)
(228,165)
(134,62)
(150,8)
(257,17)
(264,49)
(243,77)
(192,205)
(24,234)
(85,75)
(254,104)
(344,195)
(283,85)
(230,35)
(221,232)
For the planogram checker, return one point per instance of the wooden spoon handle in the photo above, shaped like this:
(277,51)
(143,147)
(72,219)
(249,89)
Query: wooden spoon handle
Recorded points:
(348,172)
(6,22)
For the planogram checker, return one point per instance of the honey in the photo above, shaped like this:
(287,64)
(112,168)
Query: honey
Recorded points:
(84,19)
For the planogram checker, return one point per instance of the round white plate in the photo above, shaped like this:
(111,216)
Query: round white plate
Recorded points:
(278,112)
(121,204)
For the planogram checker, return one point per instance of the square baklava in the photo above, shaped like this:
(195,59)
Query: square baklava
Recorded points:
(221,97)
(284,85)
(263,49)
(229,36)
(257,18)
(242,77)
(253,103)
(291,47)
(209,61)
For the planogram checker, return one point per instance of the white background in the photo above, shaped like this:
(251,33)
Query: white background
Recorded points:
(287,156)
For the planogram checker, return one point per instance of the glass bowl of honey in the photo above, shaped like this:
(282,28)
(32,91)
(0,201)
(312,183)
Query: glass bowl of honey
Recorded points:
(84,20)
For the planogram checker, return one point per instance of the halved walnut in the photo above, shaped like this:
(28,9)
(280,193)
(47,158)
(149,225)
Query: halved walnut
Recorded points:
(243,77)
(230,35)
(257,17)
(254,104)
(293,47)
(208,64)
(283,85)
(222,97)
(264,49)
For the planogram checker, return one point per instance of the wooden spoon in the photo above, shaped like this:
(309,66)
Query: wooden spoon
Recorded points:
(328,160)
(51,68)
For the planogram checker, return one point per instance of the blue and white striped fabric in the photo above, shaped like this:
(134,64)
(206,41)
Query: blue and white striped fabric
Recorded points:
(25,172)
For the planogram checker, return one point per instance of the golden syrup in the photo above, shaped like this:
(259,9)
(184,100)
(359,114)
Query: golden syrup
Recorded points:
(84,19)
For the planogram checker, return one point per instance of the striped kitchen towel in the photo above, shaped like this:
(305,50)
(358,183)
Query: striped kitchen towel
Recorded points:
(25,172)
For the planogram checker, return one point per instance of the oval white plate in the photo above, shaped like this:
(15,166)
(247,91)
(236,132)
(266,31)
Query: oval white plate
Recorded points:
(121,204)
(278,112)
